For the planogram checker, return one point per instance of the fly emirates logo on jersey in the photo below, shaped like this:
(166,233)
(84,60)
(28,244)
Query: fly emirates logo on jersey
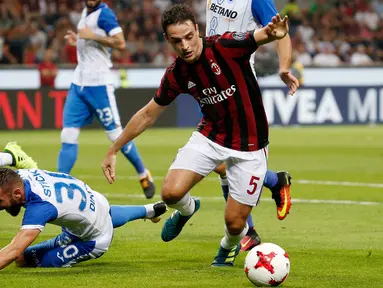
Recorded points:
(213,97)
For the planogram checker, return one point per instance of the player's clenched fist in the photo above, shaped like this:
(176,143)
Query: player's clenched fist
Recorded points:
(108,166)
(278,27)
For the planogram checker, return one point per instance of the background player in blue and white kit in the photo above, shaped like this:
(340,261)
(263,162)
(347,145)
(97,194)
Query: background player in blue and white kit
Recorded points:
(86,218)
(91,92)
(243,16)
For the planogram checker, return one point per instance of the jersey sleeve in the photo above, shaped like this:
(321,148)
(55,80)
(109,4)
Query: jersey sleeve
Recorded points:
(169,89)
(107,21)
(238,44)
(263,11)
(38,214)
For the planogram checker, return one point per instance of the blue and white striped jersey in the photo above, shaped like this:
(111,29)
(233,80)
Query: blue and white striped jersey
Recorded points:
(63,200)
(94,62)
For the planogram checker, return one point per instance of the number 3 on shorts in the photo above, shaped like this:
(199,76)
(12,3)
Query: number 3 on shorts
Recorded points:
(253,185)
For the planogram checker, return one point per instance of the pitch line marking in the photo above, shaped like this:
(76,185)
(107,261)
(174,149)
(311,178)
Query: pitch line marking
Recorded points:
(302,181)
(220,199)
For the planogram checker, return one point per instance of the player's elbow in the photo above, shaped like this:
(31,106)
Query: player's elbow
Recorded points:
(20,261)
(121,45)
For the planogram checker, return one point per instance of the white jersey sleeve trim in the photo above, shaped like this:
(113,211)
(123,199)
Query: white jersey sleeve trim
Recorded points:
(115,31)
(27,227)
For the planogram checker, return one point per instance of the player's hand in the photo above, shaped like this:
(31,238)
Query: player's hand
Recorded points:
(109,166)
(71,38)
(278,27)
(86,33)
(289,80)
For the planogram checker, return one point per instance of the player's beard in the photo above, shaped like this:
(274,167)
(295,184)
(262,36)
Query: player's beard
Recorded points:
(15,208)
(92,3)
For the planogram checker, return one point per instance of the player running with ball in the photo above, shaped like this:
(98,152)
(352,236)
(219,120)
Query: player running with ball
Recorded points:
(216,72)
(243,16)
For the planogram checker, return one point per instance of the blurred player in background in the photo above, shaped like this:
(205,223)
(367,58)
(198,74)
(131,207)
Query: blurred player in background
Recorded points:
(243,16)
(92,92)
(86,218)
(216,72)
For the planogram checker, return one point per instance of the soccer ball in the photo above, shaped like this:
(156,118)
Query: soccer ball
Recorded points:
(267,265)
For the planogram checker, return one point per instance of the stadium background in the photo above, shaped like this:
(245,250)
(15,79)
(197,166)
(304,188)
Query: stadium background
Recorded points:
(334,232)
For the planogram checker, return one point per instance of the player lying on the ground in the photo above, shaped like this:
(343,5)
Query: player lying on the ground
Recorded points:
(86,218)
(215,71)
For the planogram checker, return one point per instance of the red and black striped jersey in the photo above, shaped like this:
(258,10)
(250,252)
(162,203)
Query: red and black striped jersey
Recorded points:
(222,82)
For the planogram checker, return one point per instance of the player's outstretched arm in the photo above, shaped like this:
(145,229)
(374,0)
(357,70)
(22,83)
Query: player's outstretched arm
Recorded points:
(17,247)
(275,30)
(116,41)
(142,120)
(284,51)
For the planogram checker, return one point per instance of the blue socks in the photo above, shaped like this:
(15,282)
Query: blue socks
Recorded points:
(131,153)
(271,179)
(67,157)
(124,214)
(225,191)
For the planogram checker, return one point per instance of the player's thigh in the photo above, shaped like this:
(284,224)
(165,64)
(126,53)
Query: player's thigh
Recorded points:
(65,252)
(221,170)
(103,103)
(246,177)
(76,111)
(192,163)
(69,255)
(198,155)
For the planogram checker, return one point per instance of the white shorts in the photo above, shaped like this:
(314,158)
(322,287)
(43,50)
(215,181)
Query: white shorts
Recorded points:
(245,170)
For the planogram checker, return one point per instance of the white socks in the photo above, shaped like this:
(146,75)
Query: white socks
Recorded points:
(186,205)
(143,174)
(229,241)
(149,210)
(5,159)
(223,181)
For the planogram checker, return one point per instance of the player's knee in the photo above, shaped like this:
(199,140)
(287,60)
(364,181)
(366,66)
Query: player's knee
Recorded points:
(114,134)
(172,193)
(221,170)
(70,135)
(235,225)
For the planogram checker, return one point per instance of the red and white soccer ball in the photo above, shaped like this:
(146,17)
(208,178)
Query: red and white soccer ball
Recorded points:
(267,265)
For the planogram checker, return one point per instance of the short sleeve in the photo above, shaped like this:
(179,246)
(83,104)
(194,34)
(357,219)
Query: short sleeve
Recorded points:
(107,21)
(238,44)
(263,11)
(169,89)
(37,214)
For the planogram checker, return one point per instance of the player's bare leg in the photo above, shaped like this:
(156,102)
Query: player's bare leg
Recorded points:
(252,238)
(175,193)
(236,215)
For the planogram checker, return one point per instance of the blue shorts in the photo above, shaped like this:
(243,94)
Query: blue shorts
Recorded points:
(65,250)
(84,102)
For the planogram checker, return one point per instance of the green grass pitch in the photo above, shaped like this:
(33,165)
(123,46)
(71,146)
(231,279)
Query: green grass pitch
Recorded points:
(330,244)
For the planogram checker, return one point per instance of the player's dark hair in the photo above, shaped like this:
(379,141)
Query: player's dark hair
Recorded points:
(177,14)
(8,178)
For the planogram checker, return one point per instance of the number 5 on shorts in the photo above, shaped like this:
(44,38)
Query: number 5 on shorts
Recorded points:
(253,184)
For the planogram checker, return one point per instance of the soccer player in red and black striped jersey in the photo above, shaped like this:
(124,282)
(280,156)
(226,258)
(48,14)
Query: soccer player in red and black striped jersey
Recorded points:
(216,72)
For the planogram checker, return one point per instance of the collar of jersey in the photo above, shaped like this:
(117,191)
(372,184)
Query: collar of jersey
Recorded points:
(102,5)
(27,190)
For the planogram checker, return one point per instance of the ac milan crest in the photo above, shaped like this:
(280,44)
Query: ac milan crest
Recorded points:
(215,68)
